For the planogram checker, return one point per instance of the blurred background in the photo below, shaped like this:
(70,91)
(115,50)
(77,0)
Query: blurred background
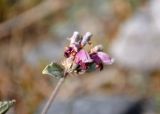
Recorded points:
(33,33)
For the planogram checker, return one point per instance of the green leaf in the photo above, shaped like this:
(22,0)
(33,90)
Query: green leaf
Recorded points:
(92,67)
(5,106)
(54,70)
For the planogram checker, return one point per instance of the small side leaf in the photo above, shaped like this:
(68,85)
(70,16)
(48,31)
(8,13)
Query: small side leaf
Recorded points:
(5,106)
(54,70)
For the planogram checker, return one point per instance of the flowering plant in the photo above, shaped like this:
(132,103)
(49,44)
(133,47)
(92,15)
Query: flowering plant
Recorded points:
(77,59)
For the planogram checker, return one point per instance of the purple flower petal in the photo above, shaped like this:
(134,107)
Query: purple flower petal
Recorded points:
(83,56)
(96,58)
(106,59)
(83,66)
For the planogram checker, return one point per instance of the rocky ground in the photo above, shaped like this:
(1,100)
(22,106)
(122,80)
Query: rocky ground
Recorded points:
(103,105)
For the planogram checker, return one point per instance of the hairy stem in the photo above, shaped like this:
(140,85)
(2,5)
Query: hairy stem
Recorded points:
(53,95)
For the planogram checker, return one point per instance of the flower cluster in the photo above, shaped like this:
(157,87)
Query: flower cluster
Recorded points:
(80,60)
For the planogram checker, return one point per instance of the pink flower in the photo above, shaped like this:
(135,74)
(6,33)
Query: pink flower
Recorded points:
(99,56)
(82,60)
(105,58)
(83,56)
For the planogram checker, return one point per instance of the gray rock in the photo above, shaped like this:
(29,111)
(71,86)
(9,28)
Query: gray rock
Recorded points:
(58,107)
(101,105)
(137,44)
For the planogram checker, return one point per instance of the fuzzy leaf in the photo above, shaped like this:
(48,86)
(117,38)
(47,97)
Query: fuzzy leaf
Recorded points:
(54,70)
(5,106)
